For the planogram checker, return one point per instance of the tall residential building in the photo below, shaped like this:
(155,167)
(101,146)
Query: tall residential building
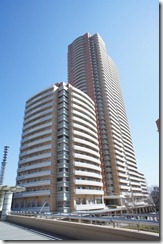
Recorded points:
(59,162)
(91,70)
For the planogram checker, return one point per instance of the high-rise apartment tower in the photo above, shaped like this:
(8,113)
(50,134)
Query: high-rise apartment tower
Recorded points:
(91,70)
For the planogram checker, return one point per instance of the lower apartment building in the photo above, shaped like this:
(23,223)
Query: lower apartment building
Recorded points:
(59,161)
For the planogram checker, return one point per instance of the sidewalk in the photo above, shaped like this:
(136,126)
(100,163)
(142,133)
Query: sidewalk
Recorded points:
(9,231)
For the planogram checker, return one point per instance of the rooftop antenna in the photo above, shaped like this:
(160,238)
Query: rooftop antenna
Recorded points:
(3,164)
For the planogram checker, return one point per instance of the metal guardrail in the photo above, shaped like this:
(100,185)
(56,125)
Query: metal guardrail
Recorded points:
(115,221)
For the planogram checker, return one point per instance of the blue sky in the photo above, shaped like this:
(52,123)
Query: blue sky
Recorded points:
(34,36)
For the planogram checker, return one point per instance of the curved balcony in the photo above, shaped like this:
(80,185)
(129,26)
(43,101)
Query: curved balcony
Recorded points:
(38,96)
(85,135)
(86,104)
(36,183)
(89,206)
(42,126)
(36,142)
(124,187)
(119,153)
(131,161)
(120,163)
(88,158)
(128,147)
(88,183)
(136,188)
(37,109)
(39,103)
(32,194)
(38,149)
(122,175)
(138,194)
(80,95)
(87,166)
(133,173)
(87,150)
(87,174)
(126,137)
(77,114)
(118,146)
(117,140)
(130,154)
(34,166)
(132,169)
(37,121)
(83,121)
(83,110)
(34,174)
(86,142)
(37,157)
(119,158)
(88,192)
(121,169)
(123,181)
(135,183)
(38,115)
(37,134)
(85,129)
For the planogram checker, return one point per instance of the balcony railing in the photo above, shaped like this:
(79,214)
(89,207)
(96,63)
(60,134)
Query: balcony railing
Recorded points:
(85,157)
(37,157)
(37,134)
(37,128)
(37,121)
(38,149)
(88,174)
(89,206)
(88,192)
(87,150)
(85,135)
(29,144)
(36,110)
(88,182)
(36,183)
(32,194)
(34,166)
(34,174)
(87,165)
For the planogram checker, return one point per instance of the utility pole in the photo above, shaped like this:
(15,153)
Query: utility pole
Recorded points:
(3,164)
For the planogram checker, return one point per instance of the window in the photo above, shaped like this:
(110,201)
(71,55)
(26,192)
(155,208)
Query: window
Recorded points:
(59,179)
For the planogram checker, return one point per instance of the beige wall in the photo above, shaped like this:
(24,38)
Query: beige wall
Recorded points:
(83,231)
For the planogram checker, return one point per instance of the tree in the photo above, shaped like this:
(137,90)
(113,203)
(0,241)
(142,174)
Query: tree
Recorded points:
(155,194)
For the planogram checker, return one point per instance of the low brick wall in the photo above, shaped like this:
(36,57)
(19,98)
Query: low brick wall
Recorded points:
(82,231)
